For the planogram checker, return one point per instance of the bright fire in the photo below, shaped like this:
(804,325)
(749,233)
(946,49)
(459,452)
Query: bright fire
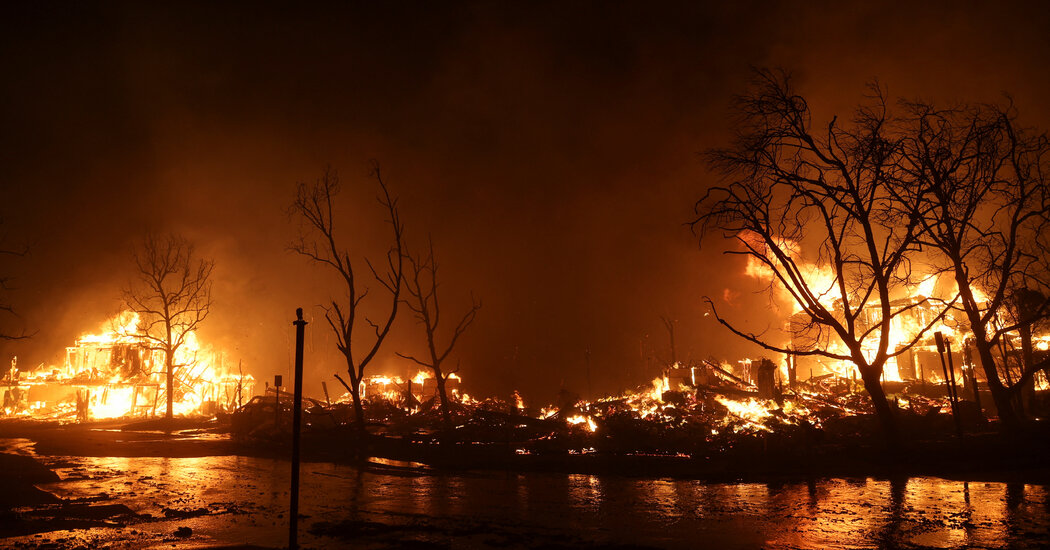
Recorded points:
(395,389)
(120,373)
(924,300)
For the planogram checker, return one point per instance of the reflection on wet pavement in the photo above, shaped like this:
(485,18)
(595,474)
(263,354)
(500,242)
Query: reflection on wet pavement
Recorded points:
(242,500)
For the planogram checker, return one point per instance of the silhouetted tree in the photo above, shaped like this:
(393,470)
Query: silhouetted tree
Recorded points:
(422,285)
(5,287)
(172,296)
(314,207)
(671,324)
(8,252)
(790,189)
(977,184)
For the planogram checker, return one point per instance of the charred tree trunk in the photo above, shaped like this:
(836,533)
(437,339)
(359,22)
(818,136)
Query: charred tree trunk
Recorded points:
(1027,383)
(446,413)
(872,383)
(1000,393)
(359,411)
(171,386)
(766,379)
(354,389)
(169,360)
(355,396)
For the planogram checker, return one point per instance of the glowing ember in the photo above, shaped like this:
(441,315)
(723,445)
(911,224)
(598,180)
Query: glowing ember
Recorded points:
(751,411)
(660,385)
(586,421)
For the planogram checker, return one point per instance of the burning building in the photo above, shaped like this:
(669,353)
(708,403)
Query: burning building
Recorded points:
(119,373)
(422,387)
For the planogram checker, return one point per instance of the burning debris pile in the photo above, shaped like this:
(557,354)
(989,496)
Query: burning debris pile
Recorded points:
(688,411)
(119,373)
(931,378)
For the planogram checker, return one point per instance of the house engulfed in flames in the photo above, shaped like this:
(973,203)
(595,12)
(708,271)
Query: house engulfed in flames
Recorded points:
(119,373)
(420,388)
(920,362)
(917,306)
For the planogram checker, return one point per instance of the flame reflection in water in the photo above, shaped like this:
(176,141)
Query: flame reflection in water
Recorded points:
(247,499)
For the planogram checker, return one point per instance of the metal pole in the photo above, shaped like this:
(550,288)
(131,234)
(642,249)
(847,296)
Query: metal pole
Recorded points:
(972,380)
(297,416)
(587,355)
(951,371)
(948,383)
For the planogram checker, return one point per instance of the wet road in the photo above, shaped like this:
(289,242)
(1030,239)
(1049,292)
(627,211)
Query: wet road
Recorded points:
(243,500)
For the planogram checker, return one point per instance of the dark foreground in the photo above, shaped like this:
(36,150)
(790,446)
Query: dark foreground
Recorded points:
(107,488)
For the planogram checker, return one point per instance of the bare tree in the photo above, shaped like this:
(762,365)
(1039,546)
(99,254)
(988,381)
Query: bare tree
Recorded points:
(422,285)
(6,307)
(791,189)
(671,324)
(977,183)
(172,296)
(314,207)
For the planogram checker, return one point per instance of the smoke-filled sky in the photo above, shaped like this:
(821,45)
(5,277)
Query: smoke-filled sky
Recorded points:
(551,150)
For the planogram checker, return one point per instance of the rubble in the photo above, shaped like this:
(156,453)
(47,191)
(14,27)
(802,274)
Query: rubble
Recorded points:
(689,412)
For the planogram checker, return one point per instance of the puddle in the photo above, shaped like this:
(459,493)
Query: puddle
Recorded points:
(226,500)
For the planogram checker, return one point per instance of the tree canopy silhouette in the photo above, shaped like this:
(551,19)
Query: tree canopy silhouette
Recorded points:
(814,208)
(976,181)
(424,302)
(172,296)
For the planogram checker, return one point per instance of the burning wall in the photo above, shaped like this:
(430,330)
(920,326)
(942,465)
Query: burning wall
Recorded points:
(422,386)
(914,314)
(920,362)
(917,306)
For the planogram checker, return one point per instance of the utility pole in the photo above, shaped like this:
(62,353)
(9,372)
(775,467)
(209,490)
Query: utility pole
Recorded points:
(587,356)
(297,417)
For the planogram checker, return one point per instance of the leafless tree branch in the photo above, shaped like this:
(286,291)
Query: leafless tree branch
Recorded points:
(314,206)
(172,296)
(422,287)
